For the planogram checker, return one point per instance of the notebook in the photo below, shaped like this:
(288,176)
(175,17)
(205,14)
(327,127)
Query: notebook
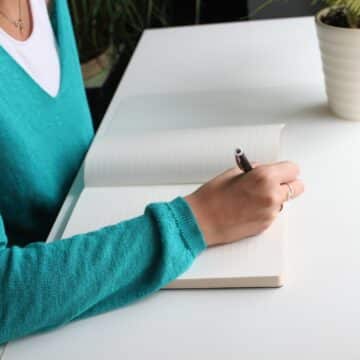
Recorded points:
(124,173)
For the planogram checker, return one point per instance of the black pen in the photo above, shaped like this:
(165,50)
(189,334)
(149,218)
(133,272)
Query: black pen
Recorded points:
(242,161)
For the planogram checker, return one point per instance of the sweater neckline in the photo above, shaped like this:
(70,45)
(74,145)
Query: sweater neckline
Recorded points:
(59,44)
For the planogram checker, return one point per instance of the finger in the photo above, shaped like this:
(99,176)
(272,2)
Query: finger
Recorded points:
(227,174)
(297,187)
(284,171)
(253,164)
(235,171)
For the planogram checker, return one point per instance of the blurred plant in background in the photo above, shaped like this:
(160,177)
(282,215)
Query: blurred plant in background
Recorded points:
(99,24)
(107,32)
(106,29)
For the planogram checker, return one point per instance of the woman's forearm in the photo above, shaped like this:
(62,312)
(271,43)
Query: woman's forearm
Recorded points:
(44,285)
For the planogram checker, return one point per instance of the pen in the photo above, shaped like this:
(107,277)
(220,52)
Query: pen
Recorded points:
(242,161)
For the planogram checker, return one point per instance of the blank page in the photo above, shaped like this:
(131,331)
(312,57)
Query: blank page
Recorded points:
(180,156)
(256,261)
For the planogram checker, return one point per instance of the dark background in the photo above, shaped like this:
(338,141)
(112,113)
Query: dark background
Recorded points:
(282,8)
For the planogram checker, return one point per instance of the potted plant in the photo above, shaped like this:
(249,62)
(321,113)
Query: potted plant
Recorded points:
(102,27)
(92,24)
(107,32)
(338,29)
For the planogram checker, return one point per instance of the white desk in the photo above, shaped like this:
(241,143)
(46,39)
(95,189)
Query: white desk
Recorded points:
(253,72)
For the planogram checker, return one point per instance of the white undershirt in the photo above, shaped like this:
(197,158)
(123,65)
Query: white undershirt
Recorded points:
(37,55)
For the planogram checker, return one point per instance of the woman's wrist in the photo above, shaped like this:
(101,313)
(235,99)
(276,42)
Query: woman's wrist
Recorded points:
(186,222)
(203,219)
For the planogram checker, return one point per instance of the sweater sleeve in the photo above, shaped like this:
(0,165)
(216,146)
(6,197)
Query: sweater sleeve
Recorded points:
(45,285)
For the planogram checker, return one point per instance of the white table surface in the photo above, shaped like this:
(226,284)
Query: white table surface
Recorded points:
(240,73)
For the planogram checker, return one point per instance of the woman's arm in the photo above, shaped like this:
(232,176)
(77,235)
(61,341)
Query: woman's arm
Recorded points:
(45,285)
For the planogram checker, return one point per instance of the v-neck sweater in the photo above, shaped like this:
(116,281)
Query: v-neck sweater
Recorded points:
(43,141)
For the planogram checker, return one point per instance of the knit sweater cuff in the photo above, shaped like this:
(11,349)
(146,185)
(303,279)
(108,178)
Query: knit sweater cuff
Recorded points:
(188,226)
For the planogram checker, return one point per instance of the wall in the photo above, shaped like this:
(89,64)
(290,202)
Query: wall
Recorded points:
(283,8)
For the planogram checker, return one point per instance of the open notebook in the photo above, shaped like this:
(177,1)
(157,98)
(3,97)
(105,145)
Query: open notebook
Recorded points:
(124,173)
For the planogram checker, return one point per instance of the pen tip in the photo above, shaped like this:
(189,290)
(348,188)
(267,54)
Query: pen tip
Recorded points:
(238,151)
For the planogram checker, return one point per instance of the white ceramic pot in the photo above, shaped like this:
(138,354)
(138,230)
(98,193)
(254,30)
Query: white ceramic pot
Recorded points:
(340,52)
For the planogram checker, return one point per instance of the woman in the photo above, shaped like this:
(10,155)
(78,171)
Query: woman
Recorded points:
(45,131)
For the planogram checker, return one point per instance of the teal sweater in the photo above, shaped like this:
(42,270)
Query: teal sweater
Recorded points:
(43,141)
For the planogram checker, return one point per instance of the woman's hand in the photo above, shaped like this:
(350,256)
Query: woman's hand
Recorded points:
(234,205)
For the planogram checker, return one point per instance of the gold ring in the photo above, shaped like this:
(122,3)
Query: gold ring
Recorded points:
(290,193)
